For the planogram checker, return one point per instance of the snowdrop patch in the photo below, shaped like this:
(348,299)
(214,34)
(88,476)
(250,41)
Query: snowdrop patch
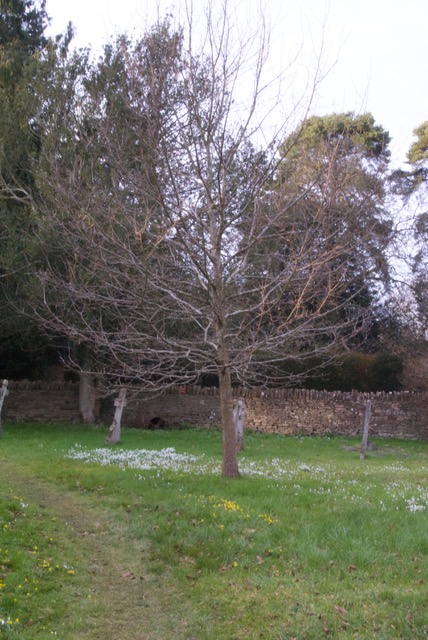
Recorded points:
(142,459)
(325,480)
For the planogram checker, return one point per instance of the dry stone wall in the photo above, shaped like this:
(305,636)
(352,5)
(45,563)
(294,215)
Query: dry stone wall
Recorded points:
(42,402)
(290,411)
(286,411)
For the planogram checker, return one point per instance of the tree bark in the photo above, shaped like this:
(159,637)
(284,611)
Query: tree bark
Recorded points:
(113,436)
(88,400)
(230,461)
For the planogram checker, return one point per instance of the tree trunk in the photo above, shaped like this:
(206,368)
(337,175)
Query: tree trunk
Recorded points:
(239,420)
(3,393)
(230,460)
(113,436)
(88,399)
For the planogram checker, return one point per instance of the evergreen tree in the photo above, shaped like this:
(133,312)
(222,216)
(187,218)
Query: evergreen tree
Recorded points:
(26,56)
(340,163)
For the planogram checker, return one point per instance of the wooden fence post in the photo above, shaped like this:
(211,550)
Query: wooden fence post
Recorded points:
(366,429)
(239,420)
(113,436)
(3,393)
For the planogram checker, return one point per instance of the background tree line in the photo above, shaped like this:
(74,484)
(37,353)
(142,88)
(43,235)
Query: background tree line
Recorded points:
(148,237)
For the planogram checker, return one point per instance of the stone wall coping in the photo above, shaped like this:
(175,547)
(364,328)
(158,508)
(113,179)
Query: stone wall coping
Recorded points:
(240,392)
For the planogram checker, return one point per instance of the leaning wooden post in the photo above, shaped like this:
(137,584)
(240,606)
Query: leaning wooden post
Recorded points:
(366,429)
(3,393)
(239,420)
(113,436)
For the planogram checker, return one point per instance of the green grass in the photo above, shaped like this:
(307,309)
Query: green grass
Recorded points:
(309,543)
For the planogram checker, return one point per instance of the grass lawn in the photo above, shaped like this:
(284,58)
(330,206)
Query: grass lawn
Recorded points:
(145,540)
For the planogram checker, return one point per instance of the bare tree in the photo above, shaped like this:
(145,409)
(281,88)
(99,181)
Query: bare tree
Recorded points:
(172,252)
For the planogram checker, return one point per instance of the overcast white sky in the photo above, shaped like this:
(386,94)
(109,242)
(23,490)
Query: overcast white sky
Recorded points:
(381,48)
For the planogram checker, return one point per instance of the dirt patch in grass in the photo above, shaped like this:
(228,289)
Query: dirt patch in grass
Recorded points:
(126,602)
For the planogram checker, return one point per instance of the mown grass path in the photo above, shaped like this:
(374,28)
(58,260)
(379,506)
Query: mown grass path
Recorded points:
(124,602)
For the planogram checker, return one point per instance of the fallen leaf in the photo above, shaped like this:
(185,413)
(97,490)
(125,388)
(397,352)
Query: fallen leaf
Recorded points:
(128,574)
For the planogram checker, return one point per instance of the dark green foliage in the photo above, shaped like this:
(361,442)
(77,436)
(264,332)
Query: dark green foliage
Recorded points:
(340,163)
(22,24)
(349,132)
(26,59)
(367,372)
(418,152)
(26,355)
(355,371)
(408,182)
(413,183)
